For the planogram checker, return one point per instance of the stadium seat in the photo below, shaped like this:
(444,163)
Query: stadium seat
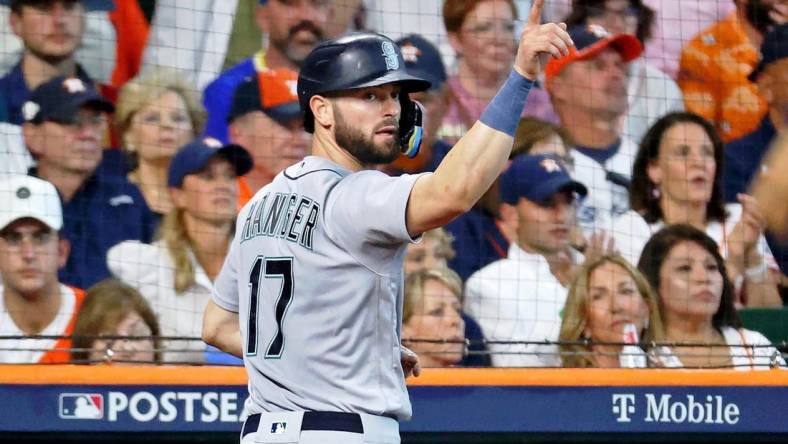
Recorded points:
(772,322)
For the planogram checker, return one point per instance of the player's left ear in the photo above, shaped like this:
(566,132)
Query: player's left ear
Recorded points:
(323,111)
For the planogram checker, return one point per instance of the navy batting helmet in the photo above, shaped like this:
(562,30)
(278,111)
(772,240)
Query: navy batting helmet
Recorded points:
(358,61)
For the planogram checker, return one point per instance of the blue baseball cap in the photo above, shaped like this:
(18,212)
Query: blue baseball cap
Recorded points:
(193,157)
(536,178)
(773,48)
(90,5)
(422,59)
(58,99)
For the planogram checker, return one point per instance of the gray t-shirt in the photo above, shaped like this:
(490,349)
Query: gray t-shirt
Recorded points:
(315,275)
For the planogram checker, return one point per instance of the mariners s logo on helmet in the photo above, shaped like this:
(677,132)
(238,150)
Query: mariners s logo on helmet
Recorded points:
(390,54)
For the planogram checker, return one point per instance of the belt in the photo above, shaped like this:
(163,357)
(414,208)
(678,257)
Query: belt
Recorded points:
(332,421)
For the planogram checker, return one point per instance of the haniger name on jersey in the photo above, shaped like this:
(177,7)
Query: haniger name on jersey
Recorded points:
(281,215)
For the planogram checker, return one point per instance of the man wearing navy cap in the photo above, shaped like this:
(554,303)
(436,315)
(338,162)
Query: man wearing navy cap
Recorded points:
(588,89)
(519,298)
(65,120)
(266,119)
(51,31)
(743,157)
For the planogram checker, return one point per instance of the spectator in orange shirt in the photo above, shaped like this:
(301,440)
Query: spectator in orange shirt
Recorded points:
(33,302)
(265,118)
(715,64)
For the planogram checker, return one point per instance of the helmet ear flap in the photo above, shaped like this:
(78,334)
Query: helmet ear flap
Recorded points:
(309,121)
(411,129)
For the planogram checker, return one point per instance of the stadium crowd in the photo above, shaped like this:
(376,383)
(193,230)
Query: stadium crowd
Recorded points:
(622,233)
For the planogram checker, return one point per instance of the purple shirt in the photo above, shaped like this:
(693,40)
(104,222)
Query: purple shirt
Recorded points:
(467,108)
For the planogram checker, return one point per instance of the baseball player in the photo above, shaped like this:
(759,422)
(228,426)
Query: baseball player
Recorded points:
(310,294)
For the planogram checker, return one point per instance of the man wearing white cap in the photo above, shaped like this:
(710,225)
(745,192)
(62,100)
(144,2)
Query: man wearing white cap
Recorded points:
(33,301)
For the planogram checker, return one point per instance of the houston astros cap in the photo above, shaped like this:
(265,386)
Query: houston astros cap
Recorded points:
(59,99)
(422,59)
(193,157)
(536,178)
(272,91)
(590,40)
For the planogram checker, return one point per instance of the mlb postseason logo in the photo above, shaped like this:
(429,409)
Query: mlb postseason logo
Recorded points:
(81,406)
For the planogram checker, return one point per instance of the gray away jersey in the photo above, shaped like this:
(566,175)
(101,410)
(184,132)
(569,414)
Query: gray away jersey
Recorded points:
(315,274)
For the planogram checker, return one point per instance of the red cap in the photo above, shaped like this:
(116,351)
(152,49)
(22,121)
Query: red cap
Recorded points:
(589,41)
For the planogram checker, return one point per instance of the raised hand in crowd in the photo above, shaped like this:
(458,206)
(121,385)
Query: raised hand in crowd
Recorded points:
(779,13)
(540,38)
(770,189)
(745,234)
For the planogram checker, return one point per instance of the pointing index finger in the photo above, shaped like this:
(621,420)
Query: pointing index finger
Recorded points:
(535,16)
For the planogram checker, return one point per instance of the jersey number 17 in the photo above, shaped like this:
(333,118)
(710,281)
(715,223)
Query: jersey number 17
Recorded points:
(269,268)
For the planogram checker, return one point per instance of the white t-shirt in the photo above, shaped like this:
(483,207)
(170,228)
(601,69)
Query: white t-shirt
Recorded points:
(14,155)
(150,269)
(652,94)
(749,350)
(606,200)
(631,232)
(30,351)
(517,299)
(191,37)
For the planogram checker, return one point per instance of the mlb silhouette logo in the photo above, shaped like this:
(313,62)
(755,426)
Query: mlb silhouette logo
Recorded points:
(278,428)
(81,406)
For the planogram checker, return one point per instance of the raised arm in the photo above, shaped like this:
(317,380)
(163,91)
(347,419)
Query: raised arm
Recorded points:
(771,188)
(479,156)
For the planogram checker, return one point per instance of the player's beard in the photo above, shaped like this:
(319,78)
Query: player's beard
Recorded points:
(362,147)
(757,12)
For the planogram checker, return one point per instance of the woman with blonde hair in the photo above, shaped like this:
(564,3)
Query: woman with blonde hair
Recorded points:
(176,273)
(114,309)
(431,314)
(434,251)
(157,113)
(607,295)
